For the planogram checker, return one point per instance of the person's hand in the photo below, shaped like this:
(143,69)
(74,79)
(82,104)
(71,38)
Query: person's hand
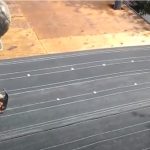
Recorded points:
(1,106)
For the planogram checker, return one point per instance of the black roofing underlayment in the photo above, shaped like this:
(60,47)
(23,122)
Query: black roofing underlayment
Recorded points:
(91,100)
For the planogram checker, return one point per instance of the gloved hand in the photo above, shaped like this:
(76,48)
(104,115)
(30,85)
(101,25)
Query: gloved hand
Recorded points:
(3,100)
(5,20)
(1,107)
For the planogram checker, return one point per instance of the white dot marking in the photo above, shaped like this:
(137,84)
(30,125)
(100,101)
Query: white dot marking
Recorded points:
(104,65)
(94,92)
(135,83)
(28,75)
(72,68)
(132,61)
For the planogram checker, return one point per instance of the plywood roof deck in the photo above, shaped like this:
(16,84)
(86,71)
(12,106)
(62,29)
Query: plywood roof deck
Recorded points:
(47,27)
